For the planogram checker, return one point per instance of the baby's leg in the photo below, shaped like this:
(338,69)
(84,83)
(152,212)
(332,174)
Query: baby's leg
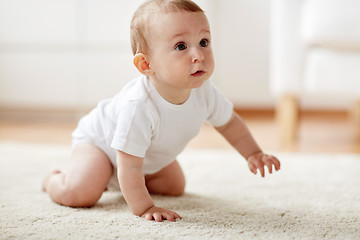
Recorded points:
(168,181)
(85,180)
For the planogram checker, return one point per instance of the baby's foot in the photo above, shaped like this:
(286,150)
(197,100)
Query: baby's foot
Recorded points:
(48,176)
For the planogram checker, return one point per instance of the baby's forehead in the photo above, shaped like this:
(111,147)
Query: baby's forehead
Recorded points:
(166,25)
(176,19)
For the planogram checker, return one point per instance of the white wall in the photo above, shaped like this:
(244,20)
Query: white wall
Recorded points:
(241,35)
(72,53)
(63,53)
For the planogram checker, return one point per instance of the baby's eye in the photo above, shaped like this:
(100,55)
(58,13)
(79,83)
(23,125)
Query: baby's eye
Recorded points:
(180,46)
(204,43)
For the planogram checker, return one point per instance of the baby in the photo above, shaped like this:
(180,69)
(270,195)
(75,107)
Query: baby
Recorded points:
(139,133)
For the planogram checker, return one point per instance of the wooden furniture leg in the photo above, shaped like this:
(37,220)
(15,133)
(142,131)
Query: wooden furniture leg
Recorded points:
(287,116)
(355,117)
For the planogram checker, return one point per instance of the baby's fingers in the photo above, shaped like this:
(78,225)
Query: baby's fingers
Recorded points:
(149,216)
(262,170)
(159,216)
(255,166)
(276,163)
(154,216)
(268,163)
(176,216)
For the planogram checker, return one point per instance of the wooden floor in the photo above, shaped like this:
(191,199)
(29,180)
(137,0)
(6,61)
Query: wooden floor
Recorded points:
(318,132)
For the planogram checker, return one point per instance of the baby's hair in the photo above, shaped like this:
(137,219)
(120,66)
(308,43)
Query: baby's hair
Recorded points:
(139,29)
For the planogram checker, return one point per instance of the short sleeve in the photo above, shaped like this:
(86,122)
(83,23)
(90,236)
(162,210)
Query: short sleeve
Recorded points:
(220,109)
(134,129)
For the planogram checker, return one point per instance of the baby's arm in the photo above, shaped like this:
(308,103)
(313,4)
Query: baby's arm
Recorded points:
(239,136)
(132,184)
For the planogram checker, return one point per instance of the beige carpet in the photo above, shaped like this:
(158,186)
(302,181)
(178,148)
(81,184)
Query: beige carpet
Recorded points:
(315,196)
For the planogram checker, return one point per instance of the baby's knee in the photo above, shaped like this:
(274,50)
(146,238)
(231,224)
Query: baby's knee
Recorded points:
(177,188)
(79,197)
(176,192)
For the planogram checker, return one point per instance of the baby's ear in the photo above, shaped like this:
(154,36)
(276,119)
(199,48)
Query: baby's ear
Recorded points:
(142,64)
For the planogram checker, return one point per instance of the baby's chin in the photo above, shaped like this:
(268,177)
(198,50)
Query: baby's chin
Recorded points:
(199,81)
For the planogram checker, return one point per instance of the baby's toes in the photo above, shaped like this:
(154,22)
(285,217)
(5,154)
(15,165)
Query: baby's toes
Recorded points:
(47,177)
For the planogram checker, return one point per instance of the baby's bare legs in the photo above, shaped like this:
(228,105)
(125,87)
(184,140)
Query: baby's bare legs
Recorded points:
(85,180)
(168,181)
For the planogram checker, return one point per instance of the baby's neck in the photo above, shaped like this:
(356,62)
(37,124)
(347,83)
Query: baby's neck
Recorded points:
(171,94)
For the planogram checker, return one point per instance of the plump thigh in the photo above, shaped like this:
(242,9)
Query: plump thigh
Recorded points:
(89,170)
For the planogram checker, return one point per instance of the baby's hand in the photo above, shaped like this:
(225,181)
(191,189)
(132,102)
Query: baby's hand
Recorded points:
(259,160)
(159,214)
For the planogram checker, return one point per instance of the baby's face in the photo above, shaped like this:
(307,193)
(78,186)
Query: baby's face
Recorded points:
(181,56)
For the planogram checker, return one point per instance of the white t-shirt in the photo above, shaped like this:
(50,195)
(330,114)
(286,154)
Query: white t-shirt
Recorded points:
(138,121)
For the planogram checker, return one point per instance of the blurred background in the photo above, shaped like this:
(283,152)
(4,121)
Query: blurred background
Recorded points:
(72,53)
(58,58)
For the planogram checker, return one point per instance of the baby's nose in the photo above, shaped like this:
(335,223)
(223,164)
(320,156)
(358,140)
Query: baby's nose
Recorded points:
(197,56)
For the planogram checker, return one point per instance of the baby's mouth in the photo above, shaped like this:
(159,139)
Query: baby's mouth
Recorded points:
(198,73)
